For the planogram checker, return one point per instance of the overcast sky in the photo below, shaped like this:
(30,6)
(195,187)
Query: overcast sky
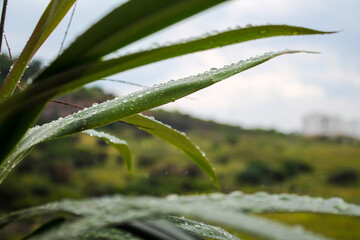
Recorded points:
(276,94)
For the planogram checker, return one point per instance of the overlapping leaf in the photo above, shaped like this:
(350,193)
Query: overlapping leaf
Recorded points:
(101,69)
(80,75)
(126,24)
(22,110)
(120,108)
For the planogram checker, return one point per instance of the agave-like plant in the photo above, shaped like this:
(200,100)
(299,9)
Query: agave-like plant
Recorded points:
(83,62)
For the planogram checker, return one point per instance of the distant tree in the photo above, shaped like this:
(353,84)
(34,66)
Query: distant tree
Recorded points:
(343,177)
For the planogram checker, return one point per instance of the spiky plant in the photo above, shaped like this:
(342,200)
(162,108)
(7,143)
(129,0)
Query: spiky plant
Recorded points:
(83,62)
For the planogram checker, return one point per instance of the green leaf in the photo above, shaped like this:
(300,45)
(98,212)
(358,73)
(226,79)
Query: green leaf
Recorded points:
(175,49)
(119,108)
(120,145)
(52,16)
(22,111)
(123,26)
(80,75)
(178,139)
(224,210)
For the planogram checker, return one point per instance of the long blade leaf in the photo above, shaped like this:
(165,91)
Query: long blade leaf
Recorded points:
(178,139)
(80,75)
(124,25)
(234,202)
(22,111)
(171,50)
(115,110)
(120,145)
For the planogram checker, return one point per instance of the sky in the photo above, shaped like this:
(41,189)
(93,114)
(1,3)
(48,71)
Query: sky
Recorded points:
(276,94)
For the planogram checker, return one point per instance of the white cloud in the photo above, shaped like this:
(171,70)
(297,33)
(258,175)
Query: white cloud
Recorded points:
(248,97)
(339,70)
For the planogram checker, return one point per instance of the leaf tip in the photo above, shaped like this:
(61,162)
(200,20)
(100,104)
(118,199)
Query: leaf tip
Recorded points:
(215,181)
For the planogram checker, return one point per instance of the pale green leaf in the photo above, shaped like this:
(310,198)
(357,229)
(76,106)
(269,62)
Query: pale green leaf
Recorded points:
(262,202)
(223,210)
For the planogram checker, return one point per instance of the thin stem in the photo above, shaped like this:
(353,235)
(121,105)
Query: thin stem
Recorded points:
(67,29)
(11,58)
(2,23)
(67,103)
(52,16)
(123,81)
(8,47)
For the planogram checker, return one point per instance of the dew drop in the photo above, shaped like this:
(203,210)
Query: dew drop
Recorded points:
(263,31)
